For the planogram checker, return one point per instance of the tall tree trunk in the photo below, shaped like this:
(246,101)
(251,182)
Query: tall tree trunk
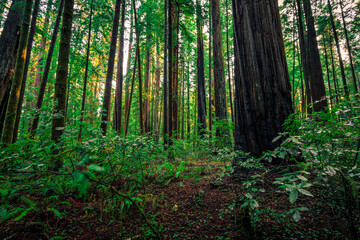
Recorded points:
(219,77)
(86,72)
(304,57)
(327,72)
(26,67)
(157,95)
(59,119)
(348,46)
(147,84)
(171,8)
(262,83)
(41,57)
(165,81)
(210,68)
(343,77)
(228,61)
(9,41)
(200,73)
(105,118)
(188,100)
(45,75)
(334,71)
(119,76)
(317,86)
(10,118)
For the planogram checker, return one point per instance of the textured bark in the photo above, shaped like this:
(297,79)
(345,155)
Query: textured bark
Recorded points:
(327,72)
(304,57)
(200,73)
(334,71)
(119,76)
(262,83)
(175,68)
(317,86)
(86,72)
(228,62)
(348,47)
(147,85)
(343,77)
(105,118)
(157,97)
(210,72)
(10,118)
(170,76)
(45,75)
(9,41)
(165,81)
(219,77)
(27,61)
(59,118)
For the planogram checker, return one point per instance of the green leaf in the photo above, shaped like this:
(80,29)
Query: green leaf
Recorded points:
(277,138)
(96,168)
(296,216)
(305,192)
(303,209)
(302,177)
(56,212)
(293,196)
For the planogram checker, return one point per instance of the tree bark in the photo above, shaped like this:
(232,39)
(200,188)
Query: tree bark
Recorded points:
(105,118)
(219,77)
(44,78)
(59,118)
(317,86)
(228,61)
(262,83)
(10,118)
(200,73)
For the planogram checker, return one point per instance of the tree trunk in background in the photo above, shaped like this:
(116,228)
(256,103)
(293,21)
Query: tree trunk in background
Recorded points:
(317,86)
(147,85)
(86,72)
(200,73)
(59,119)
(210,68)
(304,57)
(228,61)
(105,118)
(334,71)
(343,77)
(348,46)
(175,68)
(327,71)
(165,81)
(9,41)
(45,75)
(157,95)
(188,100)
(41,57)
(170,74)
(119,76)
(10,117)
(219,77)
(26,67)
(262,83)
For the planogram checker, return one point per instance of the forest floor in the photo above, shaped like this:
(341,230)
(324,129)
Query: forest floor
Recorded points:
(199,204)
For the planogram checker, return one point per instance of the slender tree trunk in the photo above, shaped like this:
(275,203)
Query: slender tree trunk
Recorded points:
(157,95)
(188,100)
(262,81)
(165,81)
(219,77)
(170,76)
(45,75)
(105,118)
(304,57)
(147,85)
(343,77)
(317,86)
(348,46)
(327,72)
(334,71)
(200,73)
(86,73)
(228,61)
(59,119)
(119,76)
(210,68)
(10,118)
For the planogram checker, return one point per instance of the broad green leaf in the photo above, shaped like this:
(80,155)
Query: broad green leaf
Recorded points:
(293,196)
(305,192)
(296,216)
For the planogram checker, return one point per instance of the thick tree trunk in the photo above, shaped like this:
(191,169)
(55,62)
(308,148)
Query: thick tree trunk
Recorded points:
(200,73)
(119,76)
(228,61)
(9,41)
(10,118)
(105,118)
(59,119)
(86,73)
(45,75)
(219,77)
(317,86)
(343,77)
(262,83)
(27,61)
